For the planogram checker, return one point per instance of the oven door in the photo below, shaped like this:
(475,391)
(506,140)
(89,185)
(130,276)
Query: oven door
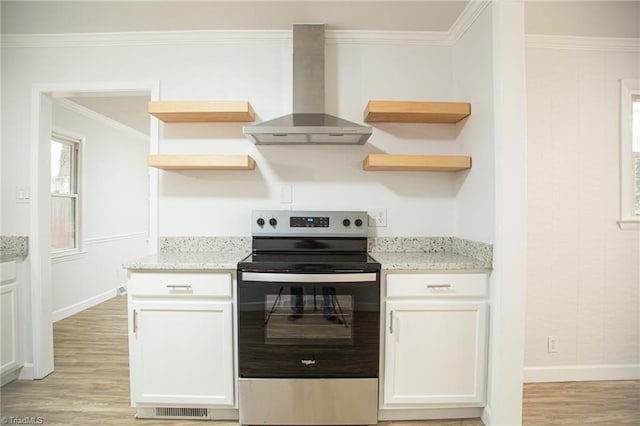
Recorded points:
(308,325)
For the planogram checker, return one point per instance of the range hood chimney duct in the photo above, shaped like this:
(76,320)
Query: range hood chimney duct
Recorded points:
(309,124)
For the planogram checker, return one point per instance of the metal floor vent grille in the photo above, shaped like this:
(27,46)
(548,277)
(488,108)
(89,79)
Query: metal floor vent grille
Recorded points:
(182,412)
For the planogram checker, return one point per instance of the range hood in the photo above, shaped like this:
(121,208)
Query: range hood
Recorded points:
(308,124)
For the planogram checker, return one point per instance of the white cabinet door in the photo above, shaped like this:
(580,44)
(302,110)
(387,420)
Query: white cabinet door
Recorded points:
(183,352)
(10,354)
(435,353)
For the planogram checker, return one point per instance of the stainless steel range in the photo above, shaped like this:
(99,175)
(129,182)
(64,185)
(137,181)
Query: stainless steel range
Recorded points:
(308,320)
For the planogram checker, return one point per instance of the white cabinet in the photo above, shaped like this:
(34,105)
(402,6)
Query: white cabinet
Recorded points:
(435,340)
(10,349)
(181,340)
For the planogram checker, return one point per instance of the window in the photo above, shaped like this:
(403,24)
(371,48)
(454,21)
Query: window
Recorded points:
(635,149)
(64,193)
(629,154)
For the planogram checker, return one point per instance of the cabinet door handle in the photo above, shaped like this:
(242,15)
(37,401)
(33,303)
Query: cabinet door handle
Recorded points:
(135,322)
(438,285)
(176,287)
(391,322)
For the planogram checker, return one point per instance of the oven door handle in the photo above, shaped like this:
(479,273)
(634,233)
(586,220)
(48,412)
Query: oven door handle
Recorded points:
(272,277)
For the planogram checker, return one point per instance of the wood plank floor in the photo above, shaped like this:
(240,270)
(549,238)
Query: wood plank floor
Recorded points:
(90,385)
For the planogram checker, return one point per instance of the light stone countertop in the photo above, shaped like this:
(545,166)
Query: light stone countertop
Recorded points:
(187,261)
(393,253)
(13,247)
(429,261)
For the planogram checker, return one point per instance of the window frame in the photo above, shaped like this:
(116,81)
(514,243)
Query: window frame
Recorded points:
(628,220)
(77,142)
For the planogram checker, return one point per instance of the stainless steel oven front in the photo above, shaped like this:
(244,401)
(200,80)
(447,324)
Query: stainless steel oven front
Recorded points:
(308,346)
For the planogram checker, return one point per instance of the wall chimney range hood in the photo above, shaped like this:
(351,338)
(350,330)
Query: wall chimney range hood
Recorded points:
(308,124)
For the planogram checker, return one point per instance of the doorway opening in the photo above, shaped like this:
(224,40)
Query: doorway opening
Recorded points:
(116,200)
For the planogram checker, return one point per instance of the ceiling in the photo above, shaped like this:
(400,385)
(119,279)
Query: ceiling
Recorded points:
(601,18)
(25,17)
(128,110)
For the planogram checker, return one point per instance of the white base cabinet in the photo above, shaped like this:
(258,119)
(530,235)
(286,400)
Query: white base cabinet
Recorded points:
(10,347)
(435,347)
(181,340)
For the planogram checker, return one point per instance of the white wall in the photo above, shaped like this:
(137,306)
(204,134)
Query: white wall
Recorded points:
(321,177)
(258,69)
(473,82)
(114,209)
(583,271)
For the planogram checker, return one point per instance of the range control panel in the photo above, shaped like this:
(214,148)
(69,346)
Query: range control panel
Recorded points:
(309,223)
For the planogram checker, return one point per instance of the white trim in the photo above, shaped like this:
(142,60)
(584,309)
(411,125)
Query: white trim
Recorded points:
(63,313)
(627,219)
(581,373)
(143,38)
(430,38)
(629,224)
(40,234)
(117,237)
(390,414)
(26,372)
(67,255)
(583,43)
(92,115)
(465,20)
(205,37)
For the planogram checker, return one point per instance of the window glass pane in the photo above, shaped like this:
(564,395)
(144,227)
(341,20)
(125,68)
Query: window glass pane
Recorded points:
(61,168)
(635,129)
(637,181)
(63,223)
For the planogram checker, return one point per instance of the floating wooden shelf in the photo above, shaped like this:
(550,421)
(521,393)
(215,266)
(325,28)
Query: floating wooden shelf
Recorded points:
(416,163)
(415,112)
(201,111)
(201,162)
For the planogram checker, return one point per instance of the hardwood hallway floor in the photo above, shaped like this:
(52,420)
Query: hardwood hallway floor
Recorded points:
(90,386)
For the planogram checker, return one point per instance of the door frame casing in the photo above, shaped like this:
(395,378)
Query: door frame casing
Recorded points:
(40,223)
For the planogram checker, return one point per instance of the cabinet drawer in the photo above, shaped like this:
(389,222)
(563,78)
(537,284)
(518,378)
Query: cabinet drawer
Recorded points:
(436,285)
(179,284)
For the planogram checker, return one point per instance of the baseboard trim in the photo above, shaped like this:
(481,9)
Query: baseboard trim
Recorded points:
(10,377)
(429,414)
(581,373)
(63,313)
(26,373)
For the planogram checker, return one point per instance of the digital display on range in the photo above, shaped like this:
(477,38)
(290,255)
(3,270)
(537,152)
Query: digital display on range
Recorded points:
(309,222)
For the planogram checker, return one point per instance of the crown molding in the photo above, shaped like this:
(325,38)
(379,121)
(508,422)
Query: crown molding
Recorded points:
(206,37)
(142,38)
(92,115)
(583,43)
(469,15)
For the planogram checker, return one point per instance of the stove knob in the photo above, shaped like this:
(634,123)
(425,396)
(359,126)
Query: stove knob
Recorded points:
(358,222)
(346,222)
(273,221)
(260,221)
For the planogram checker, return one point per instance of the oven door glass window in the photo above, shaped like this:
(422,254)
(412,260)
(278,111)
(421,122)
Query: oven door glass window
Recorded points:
(302,316)
(308,325)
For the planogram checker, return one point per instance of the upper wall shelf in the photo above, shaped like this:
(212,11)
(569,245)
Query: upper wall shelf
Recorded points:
(415,112)
(201,111)
(416,163)
(201,162)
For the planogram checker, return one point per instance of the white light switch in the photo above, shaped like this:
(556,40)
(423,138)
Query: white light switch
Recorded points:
(22,194)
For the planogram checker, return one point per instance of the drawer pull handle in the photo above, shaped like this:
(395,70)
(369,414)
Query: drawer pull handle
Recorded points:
(439,286)
(175,287)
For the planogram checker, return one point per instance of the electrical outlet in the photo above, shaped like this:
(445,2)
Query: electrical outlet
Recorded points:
(378,217)
(552,344)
